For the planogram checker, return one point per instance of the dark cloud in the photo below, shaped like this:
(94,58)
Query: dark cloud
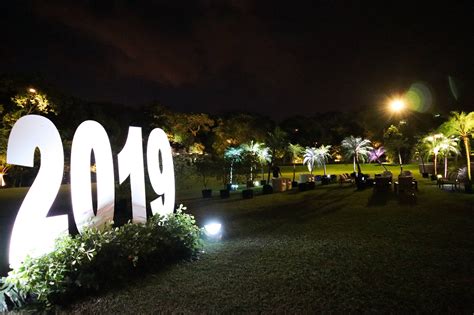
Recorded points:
(269,56)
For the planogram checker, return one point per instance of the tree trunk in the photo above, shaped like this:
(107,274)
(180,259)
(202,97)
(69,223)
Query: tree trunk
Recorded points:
(400,161)
(294,171)
(251,173)
(354,162)
(422,164)
(384,167)
(358,165)
(446,167)
(468,158)
(324,165)
(230,179)
(269,170)
(435,164)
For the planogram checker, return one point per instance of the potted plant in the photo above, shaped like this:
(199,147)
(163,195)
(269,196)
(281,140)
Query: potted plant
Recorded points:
(461,125)
(233,155)
(206,167)
(309,158)
(358,149)
(295,151)
(322,156)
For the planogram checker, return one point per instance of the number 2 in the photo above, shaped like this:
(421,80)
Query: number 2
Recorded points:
(33,233)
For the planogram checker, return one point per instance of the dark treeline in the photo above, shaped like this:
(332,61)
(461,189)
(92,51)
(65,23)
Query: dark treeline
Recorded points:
(210,133)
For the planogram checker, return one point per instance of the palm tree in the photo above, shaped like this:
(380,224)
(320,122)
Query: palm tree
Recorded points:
(448,145)
(295,151)
(432,143)
(461,125)
(422,152)
(263,156)
(356,148)
(233,154)
(252,149)
(277,142)
(322,156)
(376,154)
(309,158)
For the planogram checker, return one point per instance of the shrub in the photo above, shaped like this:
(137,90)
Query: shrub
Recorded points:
(99,258)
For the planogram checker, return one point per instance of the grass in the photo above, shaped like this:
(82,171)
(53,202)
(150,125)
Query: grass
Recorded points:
(332,249)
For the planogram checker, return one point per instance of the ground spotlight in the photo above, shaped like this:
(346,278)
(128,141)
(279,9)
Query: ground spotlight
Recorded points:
(213,230)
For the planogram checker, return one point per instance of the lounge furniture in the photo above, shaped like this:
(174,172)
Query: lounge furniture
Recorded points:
(387,174)
(279,184)
(452,180)
(306,178)
(406,185)
(345,178)
(382,183)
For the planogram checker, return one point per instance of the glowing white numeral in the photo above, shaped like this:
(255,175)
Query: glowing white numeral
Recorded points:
(91,137)
(33,233)
(130,163)
(161,178)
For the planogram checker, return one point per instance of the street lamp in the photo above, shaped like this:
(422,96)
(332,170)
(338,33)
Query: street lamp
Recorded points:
(396,105)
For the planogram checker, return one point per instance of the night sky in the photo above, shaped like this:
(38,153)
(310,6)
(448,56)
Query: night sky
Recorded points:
(279,58)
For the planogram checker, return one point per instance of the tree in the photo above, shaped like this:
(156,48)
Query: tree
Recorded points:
(394,142)
(277,141)
(432,143)
(309,158)
(376,154)
(422,152)
(461,125)
(252,148)
(356,148)
(206,167)
(235,130)
(263,156)
(322,156)
(25,103)
(447,146)
(295,151)
(233,154)
(185,129)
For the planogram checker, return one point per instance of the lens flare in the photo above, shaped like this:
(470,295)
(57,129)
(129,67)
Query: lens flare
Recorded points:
(419,97)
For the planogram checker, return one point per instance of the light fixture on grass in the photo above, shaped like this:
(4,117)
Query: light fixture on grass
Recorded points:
(213,230)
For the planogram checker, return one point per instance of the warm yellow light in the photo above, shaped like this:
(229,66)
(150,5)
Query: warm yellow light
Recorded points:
(397,105)
(31,90)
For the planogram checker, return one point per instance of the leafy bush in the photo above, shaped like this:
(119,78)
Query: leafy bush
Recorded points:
(99,258)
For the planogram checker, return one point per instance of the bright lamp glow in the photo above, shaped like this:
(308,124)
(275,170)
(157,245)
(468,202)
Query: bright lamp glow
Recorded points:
(213,230)
(397,105)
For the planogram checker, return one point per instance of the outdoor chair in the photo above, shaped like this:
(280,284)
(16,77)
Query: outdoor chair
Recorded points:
(345,178)
(382,183)
(452,180)
(387,174)
(406,174)
(406,185)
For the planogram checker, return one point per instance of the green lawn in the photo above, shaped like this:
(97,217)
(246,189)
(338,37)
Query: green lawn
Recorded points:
(332,249)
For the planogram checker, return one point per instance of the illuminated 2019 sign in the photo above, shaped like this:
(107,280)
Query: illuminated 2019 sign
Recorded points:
(33,233)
